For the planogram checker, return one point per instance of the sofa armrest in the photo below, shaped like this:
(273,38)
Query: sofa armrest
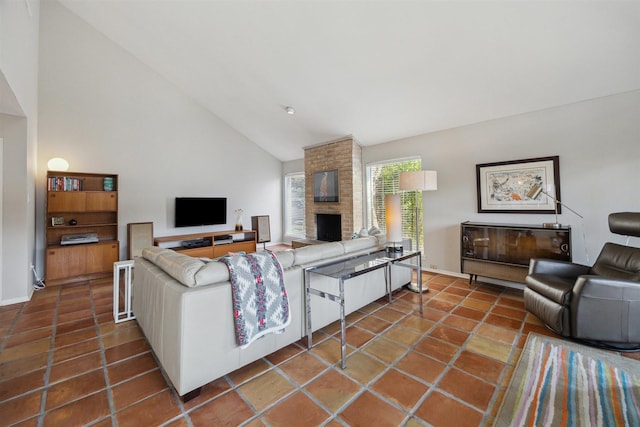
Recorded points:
(606,309)
(556,267)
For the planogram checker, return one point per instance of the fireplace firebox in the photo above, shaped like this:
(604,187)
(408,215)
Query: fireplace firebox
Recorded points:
(329,227)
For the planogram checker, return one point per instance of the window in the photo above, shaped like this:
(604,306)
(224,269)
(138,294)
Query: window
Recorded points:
(382,179)
(294,205)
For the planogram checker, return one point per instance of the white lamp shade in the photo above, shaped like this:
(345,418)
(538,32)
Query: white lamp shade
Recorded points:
(57,164)
(419,180)
(393,216)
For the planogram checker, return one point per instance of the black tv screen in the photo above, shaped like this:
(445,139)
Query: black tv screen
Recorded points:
(196,211)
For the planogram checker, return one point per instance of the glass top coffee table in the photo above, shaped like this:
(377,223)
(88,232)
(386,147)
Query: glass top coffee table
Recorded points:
(349,268)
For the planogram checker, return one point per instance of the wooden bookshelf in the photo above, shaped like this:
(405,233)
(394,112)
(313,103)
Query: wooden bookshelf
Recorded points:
(80,203)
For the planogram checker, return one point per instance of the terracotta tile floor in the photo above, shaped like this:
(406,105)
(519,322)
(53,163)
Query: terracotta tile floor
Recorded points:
(64,361)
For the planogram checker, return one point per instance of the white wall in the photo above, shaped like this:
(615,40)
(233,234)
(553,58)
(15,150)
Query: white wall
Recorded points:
(293,166)
(599,147)
(18,128)
(104,111)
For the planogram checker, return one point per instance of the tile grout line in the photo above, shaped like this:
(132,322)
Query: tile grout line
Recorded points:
(486,414)
(302,387)
(513,356)
(103,359)
(183,412)
(233,387)
(409,414)
(43,399)
(432,387)
(473,333)
(10,329)
(333,415)
(451,364)
(377,313)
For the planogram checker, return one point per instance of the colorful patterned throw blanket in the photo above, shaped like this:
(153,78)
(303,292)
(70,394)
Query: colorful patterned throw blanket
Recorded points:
(260,303)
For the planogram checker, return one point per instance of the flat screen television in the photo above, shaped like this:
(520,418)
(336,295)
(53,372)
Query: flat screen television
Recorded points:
(196,211)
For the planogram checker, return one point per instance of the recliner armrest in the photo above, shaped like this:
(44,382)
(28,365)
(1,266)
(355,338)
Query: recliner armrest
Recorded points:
(556,267)
(606,309)
(605,286)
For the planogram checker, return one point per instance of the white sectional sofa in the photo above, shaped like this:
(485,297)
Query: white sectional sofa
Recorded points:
(184,307)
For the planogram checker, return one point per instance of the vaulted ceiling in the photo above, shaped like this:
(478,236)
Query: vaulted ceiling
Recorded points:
(379,70)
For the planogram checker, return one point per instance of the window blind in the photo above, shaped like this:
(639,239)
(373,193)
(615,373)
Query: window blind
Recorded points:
(384,178)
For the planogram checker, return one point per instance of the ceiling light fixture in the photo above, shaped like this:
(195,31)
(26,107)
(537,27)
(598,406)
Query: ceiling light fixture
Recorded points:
(290,110)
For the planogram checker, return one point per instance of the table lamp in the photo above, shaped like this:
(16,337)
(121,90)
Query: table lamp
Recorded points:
(533,194)
(393,220)
(418,181)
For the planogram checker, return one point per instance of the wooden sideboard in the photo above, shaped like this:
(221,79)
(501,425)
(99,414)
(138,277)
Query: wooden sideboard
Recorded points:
(211,244)
(503,251)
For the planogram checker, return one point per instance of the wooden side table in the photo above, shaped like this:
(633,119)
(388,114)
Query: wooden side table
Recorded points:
(299,243)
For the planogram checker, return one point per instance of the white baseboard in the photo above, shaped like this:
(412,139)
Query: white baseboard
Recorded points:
(15,300)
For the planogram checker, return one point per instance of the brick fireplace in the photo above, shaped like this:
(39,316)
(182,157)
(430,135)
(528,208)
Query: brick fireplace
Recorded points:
(345,156)
(329,227)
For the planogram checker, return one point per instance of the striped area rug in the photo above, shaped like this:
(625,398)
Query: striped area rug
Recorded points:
(560,383)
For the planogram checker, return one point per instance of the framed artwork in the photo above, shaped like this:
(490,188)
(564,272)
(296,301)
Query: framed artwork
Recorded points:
(519,186)
(325,186)
(139,236)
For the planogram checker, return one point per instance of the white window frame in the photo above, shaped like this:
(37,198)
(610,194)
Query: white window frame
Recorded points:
(408,223)
(289,228)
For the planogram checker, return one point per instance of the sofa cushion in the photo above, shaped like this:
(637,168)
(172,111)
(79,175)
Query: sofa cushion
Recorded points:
(212,272)
(312,253)
(181,267)
(381,238)
(359,244)
(285,257)
(152,253)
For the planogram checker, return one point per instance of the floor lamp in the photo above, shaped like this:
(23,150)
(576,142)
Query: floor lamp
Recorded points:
(418,181)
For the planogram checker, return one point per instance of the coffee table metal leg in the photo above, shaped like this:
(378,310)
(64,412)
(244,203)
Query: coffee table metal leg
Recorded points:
(343,331)
(419,279)
(388,281)
(307,278)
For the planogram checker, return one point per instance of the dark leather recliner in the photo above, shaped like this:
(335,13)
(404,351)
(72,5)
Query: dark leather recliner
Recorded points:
(599,304)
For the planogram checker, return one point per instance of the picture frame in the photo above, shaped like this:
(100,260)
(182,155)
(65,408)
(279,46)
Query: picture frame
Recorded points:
(325,186)
(139,236)
(519,186)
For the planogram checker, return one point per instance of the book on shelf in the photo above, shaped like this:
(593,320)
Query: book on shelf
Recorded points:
(64,183)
